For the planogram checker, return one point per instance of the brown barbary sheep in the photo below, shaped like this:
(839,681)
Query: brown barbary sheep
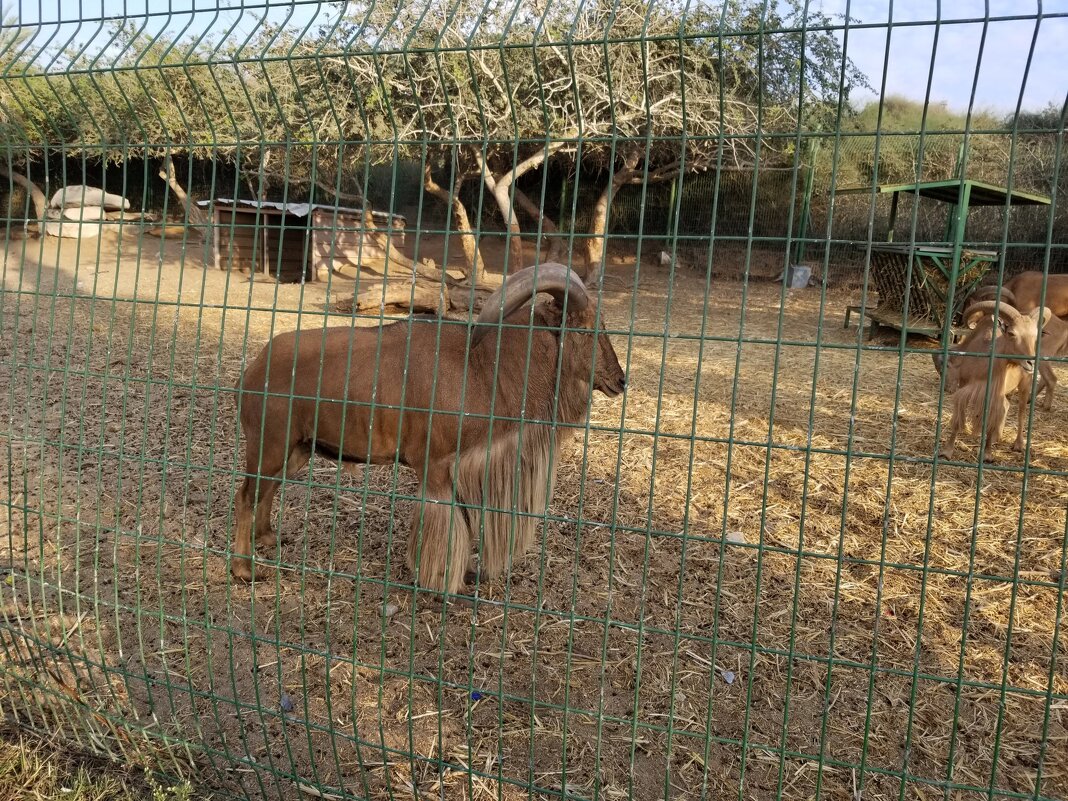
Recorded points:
(1054,342)
(1026,287)
(427,406)
(1016,336)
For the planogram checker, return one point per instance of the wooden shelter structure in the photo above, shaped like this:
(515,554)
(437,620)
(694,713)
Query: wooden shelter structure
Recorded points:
(923,287)
(300,241)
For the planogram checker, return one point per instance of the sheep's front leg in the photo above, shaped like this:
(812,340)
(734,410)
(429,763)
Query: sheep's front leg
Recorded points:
(1021,415)
(266,534)
(241,550)
(440,542)
(997,411)
(1048,383)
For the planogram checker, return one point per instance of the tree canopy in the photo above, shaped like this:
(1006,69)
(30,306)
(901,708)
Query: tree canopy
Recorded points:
(633,90)
(411,76)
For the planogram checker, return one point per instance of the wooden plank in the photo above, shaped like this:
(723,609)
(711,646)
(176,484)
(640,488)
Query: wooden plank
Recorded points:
(237,237)
(215,236)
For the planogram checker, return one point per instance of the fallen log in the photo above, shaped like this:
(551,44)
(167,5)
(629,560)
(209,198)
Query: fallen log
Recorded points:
(419,297)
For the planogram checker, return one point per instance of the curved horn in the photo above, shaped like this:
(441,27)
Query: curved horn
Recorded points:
(982,293)
(992,292)
(988,307)
(974,312)
(552,278)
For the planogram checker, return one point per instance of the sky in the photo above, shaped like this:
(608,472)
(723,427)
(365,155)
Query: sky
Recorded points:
(905,40)
(998,71)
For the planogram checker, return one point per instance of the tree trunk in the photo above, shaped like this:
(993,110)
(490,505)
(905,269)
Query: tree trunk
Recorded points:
(598,238)
(425,268)
(40,203)
(597,241)
(476,268)
(549,228)
(500,193)
(192,214)
(500,187)
(596,252)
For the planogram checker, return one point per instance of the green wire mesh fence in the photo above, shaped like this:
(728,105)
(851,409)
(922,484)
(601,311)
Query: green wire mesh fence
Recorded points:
(673,531)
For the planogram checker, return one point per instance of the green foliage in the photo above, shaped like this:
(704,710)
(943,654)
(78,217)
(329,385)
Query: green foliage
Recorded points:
(1047,120)
(900,141)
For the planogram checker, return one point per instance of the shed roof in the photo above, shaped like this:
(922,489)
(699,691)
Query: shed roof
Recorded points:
(982,193)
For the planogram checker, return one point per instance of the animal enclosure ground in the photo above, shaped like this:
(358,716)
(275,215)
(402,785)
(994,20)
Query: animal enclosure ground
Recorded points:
(752,575)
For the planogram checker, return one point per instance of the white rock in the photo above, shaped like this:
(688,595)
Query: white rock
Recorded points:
(85,213)
(56,225)
(81,195)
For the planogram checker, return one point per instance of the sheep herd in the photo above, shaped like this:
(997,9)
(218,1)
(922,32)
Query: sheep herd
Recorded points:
(1025,317)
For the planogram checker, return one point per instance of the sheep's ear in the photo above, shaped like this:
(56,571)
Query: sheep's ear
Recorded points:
(1041,316)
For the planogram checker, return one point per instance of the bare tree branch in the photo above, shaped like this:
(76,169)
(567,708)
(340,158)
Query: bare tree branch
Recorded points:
(194,216)
(40,203)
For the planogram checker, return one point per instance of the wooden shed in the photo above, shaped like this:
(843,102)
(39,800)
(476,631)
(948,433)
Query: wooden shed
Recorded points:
(299,241)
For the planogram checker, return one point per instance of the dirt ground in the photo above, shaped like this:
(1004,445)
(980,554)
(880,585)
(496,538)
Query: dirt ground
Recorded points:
(753,582)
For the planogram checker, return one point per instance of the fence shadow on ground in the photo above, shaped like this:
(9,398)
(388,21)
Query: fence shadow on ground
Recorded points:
(681,614)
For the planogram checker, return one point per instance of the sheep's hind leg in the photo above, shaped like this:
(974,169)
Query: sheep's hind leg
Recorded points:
(955,424)
(252,504)
(266,534)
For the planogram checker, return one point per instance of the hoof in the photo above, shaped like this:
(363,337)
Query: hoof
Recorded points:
(267,539)
(241,568)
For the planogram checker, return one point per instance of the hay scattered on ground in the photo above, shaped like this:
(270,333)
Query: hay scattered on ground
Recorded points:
(741,588)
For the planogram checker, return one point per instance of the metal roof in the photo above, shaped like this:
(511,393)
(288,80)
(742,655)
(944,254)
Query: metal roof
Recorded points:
(298,209)
(982,193)
(922,247)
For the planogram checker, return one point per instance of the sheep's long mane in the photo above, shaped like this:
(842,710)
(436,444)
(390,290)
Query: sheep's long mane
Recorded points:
(506,488)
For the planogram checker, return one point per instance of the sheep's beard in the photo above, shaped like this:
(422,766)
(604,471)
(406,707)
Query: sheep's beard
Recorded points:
(504,504)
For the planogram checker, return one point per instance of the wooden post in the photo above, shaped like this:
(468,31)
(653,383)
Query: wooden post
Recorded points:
(806,205)
(960,216)
(893,216)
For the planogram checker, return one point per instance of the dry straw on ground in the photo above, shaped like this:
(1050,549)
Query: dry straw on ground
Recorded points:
(750,513)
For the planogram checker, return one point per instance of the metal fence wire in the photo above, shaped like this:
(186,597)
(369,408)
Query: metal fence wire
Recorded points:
(452,400)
